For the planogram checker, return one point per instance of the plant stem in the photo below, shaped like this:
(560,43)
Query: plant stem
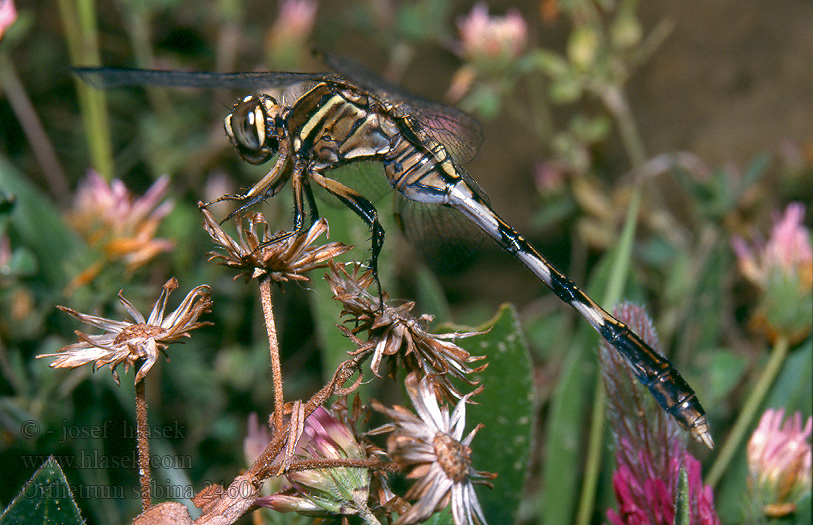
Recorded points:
(620,269)
(276,368)
(143,444)
(33,129)
(616,102)
(749,409)
(79,21)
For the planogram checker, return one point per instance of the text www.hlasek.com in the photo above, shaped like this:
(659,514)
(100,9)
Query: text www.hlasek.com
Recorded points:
(97,460)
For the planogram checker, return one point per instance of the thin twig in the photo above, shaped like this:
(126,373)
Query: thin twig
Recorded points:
(34,131)
(748,411)
(238,498)
(264,465)
(143,444)
(276,368)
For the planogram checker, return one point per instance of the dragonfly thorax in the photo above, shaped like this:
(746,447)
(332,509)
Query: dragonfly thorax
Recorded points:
(255,127)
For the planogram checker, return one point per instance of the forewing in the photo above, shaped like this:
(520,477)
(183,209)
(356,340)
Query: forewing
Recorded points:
(110,77)
(457,131)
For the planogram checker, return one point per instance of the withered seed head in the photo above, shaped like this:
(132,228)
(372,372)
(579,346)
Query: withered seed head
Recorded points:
(283,256)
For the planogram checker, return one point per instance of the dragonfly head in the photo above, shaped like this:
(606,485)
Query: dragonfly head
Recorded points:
(255,127)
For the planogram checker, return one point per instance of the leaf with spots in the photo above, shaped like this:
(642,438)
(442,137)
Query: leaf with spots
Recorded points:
(506,408)
(45,498)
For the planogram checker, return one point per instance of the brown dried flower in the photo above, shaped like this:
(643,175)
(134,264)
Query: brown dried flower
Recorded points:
(283,256)
(398,334)
(131,342)
(433,442)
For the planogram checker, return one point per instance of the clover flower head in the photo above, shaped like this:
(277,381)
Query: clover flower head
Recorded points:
(8,14)
(122,226)
(782,268)
(325,490)
(492,37)
(650,447)
(779,460)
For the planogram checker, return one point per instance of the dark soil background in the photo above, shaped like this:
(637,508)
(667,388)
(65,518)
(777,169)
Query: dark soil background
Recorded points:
(732,80)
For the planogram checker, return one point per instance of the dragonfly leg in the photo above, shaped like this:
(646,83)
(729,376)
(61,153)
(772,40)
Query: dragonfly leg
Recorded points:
(364,209)
(299,184)
(314,211)
(266,188)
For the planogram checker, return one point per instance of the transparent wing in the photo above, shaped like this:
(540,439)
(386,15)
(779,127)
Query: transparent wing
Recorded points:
(457,131)
(110,77)
(448,240)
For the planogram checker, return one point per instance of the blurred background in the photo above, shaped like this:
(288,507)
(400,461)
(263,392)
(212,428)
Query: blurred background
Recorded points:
(703,111)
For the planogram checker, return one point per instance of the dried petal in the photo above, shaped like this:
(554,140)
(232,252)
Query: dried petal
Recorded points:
(284,256)
(134,342)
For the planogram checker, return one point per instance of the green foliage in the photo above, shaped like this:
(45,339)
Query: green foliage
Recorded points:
(45,498)
(561,106)
(506,408)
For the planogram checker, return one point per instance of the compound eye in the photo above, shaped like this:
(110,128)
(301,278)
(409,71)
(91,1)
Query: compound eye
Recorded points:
(247,125)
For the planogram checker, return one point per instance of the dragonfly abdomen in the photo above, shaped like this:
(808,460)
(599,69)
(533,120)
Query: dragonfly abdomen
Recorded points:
(655,372)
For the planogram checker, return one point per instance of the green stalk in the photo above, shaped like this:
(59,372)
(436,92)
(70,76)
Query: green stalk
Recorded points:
(752,404)
(616,102)
(79,21)
(620,270)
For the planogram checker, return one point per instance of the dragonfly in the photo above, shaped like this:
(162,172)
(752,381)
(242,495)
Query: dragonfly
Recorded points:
(312,123)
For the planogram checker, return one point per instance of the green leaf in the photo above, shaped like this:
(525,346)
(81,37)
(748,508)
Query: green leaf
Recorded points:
(39,226)
(724,371)
(804,509)
(431,296)
(548,62)
(45,498)
(682,500)
(443,517)
(566,427)
(793,387)
(506,408)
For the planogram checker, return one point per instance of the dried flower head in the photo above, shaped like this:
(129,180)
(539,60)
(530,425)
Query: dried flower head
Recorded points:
(779,459)
(783,270)
(284,256)
(325,490)
(650,445)
(136,341)
(433,444)
(121,225)
(400,335)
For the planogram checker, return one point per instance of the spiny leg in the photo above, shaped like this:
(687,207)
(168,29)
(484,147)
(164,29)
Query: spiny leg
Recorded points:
(364,209)
(264,189)
(299,187)
(314,211)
